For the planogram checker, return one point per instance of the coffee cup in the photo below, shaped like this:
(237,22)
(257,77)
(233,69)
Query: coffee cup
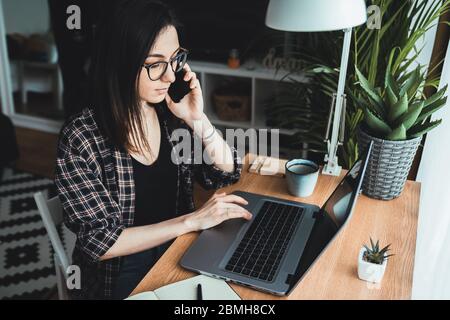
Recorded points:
(301,177)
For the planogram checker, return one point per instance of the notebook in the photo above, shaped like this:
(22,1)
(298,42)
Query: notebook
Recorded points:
(213,289)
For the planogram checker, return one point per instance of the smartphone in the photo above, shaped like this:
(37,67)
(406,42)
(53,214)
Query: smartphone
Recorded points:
(179,88)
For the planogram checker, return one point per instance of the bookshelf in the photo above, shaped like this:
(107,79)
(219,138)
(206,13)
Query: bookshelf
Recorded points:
(262,84)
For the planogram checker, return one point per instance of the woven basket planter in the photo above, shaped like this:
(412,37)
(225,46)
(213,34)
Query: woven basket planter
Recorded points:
(388,166)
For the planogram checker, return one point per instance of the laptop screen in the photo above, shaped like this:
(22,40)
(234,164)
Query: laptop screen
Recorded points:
(332,216)
(339,206)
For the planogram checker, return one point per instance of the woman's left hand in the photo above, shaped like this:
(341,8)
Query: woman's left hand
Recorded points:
(190,108)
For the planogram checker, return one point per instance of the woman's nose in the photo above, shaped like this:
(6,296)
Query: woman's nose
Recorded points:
(169,75)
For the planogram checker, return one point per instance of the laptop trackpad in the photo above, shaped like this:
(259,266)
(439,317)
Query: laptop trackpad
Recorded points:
(212,245)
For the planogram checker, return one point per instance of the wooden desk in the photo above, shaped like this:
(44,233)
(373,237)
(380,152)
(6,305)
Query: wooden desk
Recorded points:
(334,275)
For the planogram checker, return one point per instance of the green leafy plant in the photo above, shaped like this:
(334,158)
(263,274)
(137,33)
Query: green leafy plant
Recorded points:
(403,24)
(398,111)
(295,107)
(375,254)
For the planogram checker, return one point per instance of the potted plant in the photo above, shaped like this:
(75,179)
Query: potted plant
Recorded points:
(372,262)
(396,117)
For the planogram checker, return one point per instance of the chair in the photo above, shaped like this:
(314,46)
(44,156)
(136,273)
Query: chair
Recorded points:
(51,213)
(40,77)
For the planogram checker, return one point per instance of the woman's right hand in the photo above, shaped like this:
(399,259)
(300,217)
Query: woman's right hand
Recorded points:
(218,208)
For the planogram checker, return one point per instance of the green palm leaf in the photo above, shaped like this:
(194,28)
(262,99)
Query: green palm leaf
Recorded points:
(376,124)
(368,88)
(410,117)
(398,109)
(398,133)
(421,129)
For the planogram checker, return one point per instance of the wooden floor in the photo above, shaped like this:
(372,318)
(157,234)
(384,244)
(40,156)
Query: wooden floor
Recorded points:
(37,151)
(38,155)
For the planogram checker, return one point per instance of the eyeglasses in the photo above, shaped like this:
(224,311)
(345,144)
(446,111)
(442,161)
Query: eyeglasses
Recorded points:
(156,70)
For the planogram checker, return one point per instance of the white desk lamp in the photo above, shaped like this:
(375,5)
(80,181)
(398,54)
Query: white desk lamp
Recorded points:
(323,15)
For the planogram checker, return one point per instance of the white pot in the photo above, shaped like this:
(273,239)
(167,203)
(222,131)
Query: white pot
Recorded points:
(370,272)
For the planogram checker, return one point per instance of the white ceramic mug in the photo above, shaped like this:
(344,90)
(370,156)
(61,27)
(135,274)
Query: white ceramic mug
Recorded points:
(301,177)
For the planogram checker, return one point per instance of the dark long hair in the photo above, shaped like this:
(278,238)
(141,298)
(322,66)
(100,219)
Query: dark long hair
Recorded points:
(123,38)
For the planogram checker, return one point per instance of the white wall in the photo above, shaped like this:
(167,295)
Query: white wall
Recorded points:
(26,16)
(432,263)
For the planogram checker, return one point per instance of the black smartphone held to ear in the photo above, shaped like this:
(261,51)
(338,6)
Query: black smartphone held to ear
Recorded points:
(179,88)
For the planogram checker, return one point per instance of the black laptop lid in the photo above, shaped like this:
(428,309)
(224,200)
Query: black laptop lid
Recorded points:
(339,205)
(336,211)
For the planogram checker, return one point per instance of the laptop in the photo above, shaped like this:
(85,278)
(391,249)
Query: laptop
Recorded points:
(275,249)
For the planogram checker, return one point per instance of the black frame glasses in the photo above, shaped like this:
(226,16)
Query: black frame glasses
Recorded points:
(180,59)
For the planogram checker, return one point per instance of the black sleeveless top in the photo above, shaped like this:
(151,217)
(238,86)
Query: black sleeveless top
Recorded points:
(155,186)
(156,191)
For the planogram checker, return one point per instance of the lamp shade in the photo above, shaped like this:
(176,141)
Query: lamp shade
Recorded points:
(315,15)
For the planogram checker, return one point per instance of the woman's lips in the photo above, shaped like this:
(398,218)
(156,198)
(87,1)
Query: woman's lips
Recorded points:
(161,91)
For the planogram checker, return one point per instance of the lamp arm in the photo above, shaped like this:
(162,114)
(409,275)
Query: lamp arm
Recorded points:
(332,167)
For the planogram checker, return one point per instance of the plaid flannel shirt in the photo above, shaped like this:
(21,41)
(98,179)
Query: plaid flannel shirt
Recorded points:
(95,185)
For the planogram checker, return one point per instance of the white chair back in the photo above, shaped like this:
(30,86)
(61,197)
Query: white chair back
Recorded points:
(52,216)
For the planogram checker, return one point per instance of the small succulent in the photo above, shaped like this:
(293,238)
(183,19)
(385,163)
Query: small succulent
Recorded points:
(374,254)
(398,111)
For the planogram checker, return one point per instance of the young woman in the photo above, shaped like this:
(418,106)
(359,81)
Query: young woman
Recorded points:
(122,194)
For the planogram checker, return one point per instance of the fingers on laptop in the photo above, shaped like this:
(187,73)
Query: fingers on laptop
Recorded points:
(233,198)
(232,211)
(229,206)
(218,195)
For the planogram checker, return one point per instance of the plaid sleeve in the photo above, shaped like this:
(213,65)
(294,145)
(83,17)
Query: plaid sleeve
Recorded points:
(211,177)
(89,210)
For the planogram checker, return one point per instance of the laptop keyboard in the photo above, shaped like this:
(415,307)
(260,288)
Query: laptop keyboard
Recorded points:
(260,251)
